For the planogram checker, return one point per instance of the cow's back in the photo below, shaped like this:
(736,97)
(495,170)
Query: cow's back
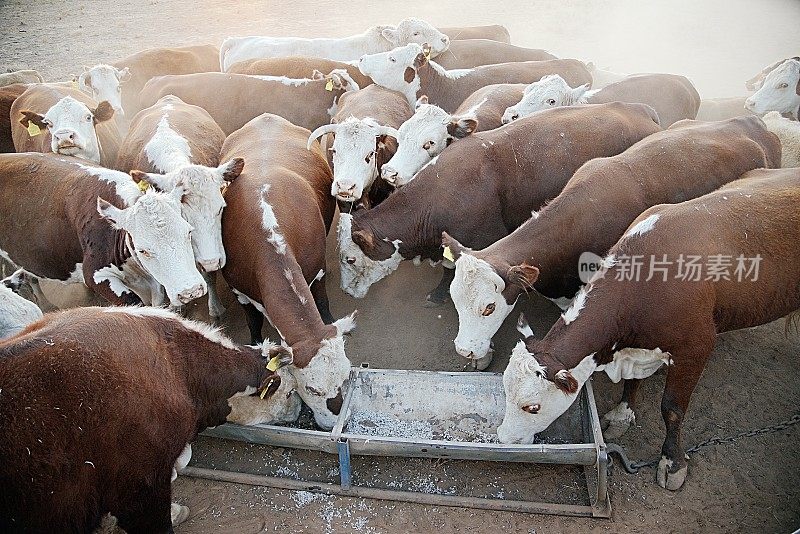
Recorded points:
(470,53)
(488,104)
(297,67)
(8,94)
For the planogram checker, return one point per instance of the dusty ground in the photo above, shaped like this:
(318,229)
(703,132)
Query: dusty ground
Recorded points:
(752,380)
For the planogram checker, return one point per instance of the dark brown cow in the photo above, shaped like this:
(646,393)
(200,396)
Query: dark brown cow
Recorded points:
(472,53)
(90,426)
(596,206)
(274,228)
(8,94)
(744,239)
(507,172)
(234,99)
(495,32)
(297,67)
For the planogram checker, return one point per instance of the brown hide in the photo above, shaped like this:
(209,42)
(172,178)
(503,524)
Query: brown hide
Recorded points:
(297,67)
(497,97)
(8,94)
(495,32)
(472,53)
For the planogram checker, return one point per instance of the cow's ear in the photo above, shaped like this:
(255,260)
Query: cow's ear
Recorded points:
(285,355)
(317,75)
(111,213)
(565,381)
(144,179)
(420,60)
(346,324)
(85,79)
(390,34)
(523,275)
(124,75)
(460,128)
(232,169)
(269,386)
(28,116)
(421,101)
(456,248)
(103,112)
(364,239)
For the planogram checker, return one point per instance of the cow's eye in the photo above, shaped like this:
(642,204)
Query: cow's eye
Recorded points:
(784,85)
(369,156)
(532,408)
(145,253)
(88,118)
(488,310)
(393,60)
(428,145)
(313,391)
(416,34)
(332,150)
(551,101)
(48,123)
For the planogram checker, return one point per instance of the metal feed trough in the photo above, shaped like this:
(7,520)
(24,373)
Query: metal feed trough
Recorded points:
(428,414)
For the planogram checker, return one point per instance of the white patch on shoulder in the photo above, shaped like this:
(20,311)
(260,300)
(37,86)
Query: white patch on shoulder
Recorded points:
(633,363)
(270,223)
(453,74)
(167,150)
(577,305)
(473,111)
(643,226)
(125,187)
(113,275)
(291,82)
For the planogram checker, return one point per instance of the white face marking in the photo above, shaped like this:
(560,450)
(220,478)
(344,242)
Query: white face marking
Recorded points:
(211,333)
(270,223)
(283,406)
(103,83)
(643,226)
(778,92)
(412,30)
(16,312)
(72,130)
(477,295)
(550,91)
(355,164)
(388,69)
(422,137)
(359,271)
(577,305)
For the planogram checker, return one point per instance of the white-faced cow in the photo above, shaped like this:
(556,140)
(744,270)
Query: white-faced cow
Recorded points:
(407,70)
(629,326)
(64,219)
(20,76)
(688,160)
(779,92)
(104,82)
(113,398)
(274,229)
(508,172)
(365,137)
(375,39)
(673,97)
(755,83)
(66,121)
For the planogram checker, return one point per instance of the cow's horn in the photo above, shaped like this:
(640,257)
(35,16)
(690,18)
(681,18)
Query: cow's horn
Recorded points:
(319,132)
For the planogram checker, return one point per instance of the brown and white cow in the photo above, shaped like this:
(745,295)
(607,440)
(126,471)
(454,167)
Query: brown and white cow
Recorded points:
(104,82)
(780,91)
(688,160)
(65,219)
(274,228)
(232,100)
(297,67)
(365,137)
(20,76)
(629,326)
(112,399)
(431,129)
(408,71)
(495,32)
(508,172)
(65,121)
(673,97)
(8,94)
(472,53)
(173,144)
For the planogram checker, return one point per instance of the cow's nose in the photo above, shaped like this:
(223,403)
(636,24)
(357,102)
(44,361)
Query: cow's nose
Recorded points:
(194,292)
(445,40)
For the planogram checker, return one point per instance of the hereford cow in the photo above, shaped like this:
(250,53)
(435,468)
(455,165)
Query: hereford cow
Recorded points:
(365,137)
(779,92)
(297,67)
(408,71)
(688,160)
(755,83)
(279,211)
(104,82)
(375,39)
(147,64)
(477,52)
(106,422)
(20,76)
(177,145)
(16,312)
(64,219)
(673,97)
(432,129)
(65,121)
(508,172)
(232,100)
(495,32)
(629,326)
(8,94)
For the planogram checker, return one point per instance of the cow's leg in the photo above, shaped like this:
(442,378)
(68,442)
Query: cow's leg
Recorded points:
(320,294)
(215,308)
(255,322)
(441,293)
(617,421)
(682,377)
(149,508)
(182,461)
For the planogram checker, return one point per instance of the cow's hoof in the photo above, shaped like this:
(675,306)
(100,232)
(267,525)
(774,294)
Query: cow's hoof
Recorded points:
(617,421)
(669,480)
(434,301)
(179,513)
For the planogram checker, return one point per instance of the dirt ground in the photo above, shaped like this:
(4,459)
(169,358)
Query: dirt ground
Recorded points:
(752,381)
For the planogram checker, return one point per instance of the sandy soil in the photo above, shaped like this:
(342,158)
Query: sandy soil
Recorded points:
(750,486)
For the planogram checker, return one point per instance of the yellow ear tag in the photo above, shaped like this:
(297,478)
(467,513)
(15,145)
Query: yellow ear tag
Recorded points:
(448,254)
(273,364)
(143,185)
(427,54)
(33,129)
(329,85)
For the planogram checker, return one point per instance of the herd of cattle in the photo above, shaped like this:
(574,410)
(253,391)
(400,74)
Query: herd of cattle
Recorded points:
(143,178)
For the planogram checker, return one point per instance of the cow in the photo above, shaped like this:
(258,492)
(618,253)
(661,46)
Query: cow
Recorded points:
(365,137)
(788,131)
(687,160)
(104,82)
(407,70)
(375,39)
(173,144)
(602,77)
(147,64)
(508,172)
(65,121)
(274,227)
(16,312)
(232,100)
(20,76)
(755,83)
(779,92)
(719,109)
(8,94)
(630,326)
(673,97)
(297,67)
(477,52)
(65,219)
(431,129)
(495,32)
(112,397)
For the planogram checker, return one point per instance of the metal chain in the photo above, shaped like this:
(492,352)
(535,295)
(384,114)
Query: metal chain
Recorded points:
(634,467)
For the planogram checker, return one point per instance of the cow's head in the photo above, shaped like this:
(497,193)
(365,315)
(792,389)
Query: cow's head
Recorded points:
(551,91)
(484,295)
(201,204)
(103,83)
(160,240)
(396,69)
(281,404)
(339,79)
(355,150)
(363,258)
(537,396)
(321,371)
(423,137)
(780,91)
(417,31)
(72,127)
